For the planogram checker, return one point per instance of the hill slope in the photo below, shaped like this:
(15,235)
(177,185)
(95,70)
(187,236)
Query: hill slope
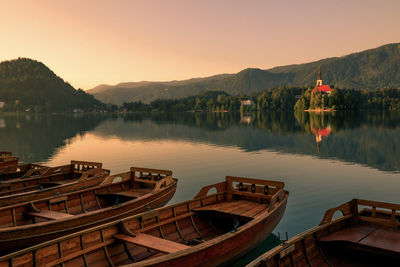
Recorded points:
(370,69)
(26,83)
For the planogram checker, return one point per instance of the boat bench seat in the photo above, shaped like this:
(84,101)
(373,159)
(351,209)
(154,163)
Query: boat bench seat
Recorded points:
(50,215)
(152,242)
(378,237)
(241,209)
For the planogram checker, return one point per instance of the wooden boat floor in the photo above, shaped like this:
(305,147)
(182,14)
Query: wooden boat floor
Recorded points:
(244,208)
(134,193)
(50,215)
(152,242)
(379,237)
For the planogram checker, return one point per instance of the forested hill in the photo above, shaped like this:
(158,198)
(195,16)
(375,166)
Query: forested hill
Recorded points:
(370,69)
(29,84)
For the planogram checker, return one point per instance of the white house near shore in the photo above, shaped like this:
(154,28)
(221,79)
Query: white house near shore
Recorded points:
(246,102)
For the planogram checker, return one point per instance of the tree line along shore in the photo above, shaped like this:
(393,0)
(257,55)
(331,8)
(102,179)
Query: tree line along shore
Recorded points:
(276,99)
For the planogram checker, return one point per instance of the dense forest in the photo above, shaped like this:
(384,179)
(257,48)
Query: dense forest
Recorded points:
(371,69)
(276,99)
(342,99)
(28,85)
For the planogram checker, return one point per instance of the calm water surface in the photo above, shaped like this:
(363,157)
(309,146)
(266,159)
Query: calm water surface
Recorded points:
(324,160)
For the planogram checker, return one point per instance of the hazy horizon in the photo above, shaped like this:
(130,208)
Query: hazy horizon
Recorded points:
(100,42)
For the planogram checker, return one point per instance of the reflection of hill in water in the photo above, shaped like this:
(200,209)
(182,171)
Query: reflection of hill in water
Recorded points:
(37,138)
(369,139)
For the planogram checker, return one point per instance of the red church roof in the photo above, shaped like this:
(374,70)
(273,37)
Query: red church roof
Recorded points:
(323,88)
(322,132)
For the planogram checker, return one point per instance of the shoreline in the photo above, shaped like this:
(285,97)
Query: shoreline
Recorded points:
(320,110)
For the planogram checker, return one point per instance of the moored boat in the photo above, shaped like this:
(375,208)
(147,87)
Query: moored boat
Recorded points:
(212,229)
(58,180)
(118,196)
(367,233)
(22,171)
(6,159)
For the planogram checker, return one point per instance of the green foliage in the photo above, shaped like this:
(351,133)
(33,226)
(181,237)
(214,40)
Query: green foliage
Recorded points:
(370,69)
(27,84)
(345,99)
(217,101)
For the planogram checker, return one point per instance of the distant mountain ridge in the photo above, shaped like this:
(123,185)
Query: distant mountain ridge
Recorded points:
(27,84)
(369,69)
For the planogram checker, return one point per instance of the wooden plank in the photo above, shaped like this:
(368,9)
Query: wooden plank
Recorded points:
(149,215)
(351,234)
(152,171)
(80,252)
(57,200)
(226,208)
(90,164)
(152,242)
(256,210)
(389,206)
(249,194)
(50,215)
(167,221)
(384,238)
(387,222)
(254,181)
(145,181)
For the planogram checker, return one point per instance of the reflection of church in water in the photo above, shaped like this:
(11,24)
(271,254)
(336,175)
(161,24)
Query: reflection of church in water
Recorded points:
(320,133)
(319,130)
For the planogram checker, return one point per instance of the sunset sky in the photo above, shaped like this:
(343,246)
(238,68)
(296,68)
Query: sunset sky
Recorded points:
(88,43)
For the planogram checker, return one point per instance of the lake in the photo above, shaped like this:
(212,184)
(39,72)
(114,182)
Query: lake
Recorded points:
(324,160)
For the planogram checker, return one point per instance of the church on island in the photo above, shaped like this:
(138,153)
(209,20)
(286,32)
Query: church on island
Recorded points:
(320,87)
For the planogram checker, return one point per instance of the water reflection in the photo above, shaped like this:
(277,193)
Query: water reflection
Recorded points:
(202,148)
(35,138)
(365,138)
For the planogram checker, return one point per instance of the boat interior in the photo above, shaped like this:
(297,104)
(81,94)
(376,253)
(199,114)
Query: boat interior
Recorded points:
(49,177)
(7,159)
(366,233)
(217,210)
(22,171)
(112,192)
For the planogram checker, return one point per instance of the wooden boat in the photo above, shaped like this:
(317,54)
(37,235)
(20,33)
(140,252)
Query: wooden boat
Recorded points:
(6,159)
(22,171)
(366,234)
(60,180)
(211,229)
(118,196)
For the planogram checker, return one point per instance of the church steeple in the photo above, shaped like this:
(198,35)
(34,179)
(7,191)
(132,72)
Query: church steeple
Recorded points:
(319,80)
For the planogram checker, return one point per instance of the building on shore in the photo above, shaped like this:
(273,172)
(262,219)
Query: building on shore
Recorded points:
(246,102)
(320,87)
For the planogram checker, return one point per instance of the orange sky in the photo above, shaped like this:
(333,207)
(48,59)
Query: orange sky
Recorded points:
(88,43)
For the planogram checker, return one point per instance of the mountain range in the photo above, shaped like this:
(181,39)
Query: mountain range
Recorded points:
(369,69)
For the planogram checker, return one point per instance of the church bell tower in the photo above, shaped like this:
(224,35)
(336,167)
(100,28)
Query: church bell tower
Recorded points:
(319,80)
